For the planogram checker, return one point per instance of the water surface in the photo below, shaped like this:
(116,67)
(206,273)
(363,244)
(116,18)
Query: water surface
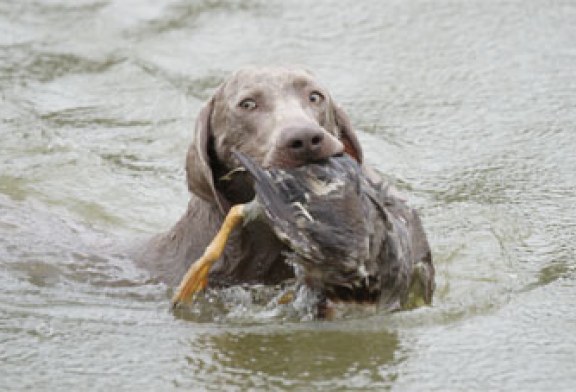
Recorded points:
(469,107)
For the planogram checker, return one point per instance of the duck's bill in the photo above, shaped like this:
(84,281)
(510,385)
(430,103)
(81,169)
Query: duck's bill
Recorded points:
(196,279)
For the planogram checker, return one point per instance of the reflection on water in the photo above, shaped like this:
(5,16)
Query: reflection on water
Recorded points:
(301,358)
(467,106)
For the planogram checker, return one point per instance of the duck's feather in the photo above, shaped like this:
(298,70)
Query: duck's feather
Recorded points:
(323,211)
(350,237)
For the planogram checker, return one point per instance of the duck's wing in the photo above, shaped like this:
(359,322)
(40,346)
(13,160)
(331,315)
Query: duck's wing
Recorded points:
(317,209)
(338,204)
(282,194)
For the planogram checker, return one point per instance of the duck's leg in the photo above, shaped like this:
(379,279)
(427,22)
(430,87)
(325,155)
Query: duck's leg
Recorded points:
(196,279)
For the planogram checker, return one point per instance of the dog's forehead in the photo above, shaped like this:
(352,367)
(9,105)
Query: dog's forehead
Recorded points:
(251,78)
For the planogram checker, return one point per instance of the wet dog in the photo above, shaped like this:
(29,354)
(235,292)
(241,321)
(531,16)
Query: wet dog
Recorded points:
(280,117)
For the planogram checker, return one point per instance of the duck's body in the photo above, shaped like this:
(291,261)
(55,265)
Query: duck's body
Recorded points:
(351,240)
(349,237)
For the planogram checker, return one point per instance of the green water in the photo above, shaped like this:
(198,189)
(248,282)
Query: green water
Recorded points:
(470,107)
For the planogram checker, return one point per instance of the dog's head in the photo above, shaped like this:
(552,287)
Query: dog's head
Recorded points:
(281,117)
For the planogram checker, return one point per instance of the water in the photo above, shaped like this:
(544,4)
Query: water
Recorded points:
(468,106)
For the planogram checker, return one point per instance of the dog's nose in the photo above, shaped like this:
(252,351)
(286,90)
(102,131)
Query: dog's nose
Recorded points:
(304,141)
(308,144)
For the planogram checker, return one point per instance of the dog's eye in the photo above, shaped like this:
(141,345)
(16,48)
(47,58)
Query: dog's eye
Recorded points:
(248,104)
(315,97)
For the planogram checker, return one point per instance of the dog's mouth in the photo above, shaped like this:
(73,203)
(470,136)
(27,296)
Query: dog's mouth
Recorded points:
(237,185)
(286,162)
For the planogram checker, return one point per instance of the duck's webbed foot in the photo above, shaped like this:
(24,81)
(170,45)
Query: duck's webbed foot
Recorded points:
(196,279)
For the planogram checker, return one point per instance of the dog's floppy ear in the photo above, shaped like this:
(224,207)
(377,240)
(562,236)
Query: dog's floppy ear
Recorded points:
(347,134)
(198,168)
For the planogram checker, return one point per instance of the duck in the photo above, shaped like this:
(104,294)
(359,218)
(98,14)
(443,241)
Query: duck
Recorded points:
(348,236)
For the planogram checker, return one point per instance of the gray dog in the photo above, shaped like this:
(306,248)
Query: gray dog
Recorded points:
(281,117)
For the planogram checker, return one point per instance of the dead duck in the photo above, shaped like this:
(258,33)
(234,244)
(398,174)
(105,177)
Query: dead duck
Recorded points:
(351,240)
